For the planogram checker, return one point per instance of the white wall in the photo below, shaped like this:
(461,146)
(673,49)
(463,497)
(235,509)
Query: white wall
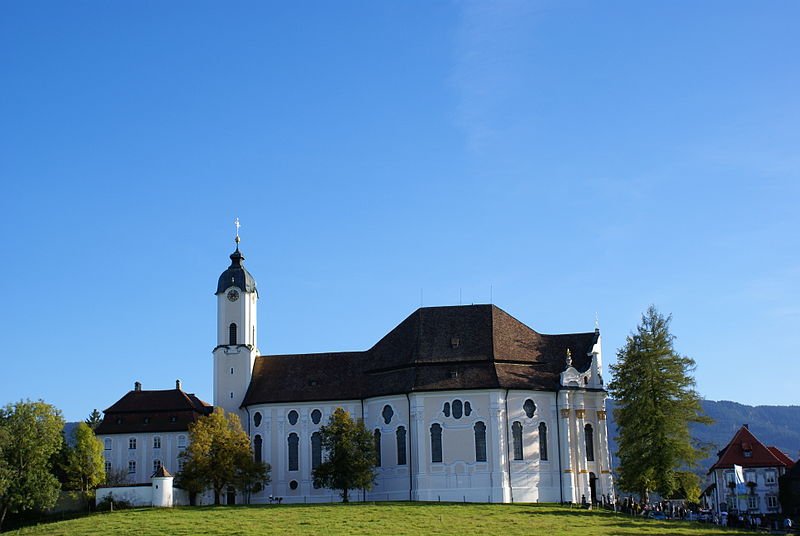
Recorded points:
(459,476)
(144,454)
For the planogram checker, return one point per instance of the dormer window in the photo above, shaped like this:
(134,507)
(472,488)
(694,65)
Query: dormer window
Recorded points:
(232,334)
(748,454)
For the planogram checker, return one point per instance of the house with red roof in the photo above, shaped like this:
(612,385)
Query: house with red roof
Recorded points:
(761,465)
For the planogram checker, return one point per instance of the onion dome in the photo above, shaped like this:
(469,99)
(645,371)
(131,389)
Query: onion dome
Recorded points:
(236,275)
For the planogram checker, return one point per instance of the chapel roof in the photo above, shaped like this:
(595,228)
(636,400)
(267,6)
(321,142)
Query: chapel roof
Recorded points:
(161,472)
(236,275)
(744,442)
(433,349)
(169,410)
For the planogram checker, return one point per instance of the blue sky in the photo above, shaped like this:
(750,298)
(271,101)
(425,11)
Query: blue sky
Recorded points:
(563,159)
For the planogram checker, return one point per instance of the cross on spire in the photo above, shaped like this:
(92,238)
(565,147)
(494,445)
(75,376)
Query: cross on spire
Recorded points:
(237,224)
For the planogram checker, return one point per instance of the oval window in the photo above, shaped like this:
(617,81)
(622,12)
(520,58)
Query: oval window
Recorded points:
(529,407)
(257,418)
(388,412)
(293,416)
(316,416)
(467,409)
(457,409)
(446,409)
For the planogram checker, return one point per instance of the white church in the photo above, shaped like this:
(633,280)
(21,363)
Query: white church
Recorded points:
(466,403)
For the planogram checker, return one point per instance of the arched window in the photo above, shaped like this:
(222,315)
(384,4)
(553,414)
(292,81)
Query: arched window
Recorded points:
(232,334)
(107,443)
(542,441)
(516,432)
(436,443)
(529,407)
(156,442)
(588,435)
(293,416)
(316,450)
(294,440)
(457,409)
(258,443)
(316,416)
(401,445)
(480,441)
(377,435)
(387,414)
(132,443)
(257,419)
(131,467)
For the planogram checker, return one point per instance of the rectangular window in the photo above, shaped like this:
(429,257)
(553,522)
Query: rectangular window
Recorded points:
(772,502)
(729,478)
(401,445)
(156,442)
(132,443)
(156,465)
(293,441)
(131,467)
(749,476)
(108,467)
(752,502)
(436,443)
(181,442)
(770,477)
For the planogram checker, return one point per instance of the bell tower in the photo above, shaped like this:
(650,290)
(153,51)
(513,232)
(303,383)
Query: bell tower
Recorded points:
(236,350)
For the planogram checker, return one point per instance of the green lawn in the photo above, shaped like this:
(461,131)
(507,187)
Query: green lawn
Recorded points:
(372,518)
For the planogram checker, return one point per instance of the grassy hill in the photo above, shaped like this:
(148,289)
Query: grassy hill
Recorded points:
(370,518)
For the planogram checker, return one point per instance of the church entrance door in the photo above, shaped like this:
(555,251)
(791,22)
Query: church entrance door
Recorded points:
(231,496)
(593,487)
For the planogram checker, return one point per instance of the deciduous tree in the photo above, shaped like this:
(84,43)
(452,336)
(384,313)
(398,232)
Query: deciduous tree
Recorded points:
(656,401)
(85,461)
(219,455)
(350,449)
(30,434)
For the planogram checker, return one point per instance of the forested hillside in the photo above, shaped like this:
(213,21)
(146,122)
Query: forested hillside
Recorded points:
(777,426)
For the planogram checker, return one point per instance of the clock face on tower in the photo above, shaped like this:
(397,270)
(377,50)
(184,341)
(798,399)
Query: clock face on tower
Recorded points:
(233,295)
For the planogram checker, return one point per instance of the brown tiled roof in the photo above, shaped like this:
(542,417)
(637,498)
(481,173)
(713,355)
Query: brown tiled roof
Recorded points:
(760,455)
(435,348)
(170,410)
(781,456)
(161,472)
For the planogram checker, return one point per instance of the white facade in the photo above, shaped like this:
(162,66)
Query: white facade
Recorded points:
(462,474)
(138,454)
(759,495)
(496,445)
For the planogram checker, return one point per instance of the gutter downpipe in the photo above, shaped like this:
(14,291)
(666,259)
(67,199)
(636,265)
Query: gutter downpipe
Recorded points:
(247,409)
(508,452)
(410,455)
(558,438)
(363,491)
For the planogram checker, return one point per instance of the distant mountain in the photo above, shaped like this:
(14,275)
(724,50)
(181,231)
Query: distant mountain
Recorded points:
(775,426)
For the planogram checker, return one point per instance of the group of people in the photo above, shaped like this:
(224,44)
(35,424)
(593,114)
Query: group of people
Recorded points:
(752,521)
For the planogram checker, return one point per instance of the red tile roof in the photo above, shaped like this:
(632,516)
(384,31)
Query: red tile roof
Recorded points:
(760,455)
(781,456)
(435,348)
(170,410)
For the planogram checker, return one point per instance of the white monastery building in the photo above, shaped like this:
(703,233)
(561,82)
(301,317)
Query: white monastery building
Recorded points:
(466,403)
